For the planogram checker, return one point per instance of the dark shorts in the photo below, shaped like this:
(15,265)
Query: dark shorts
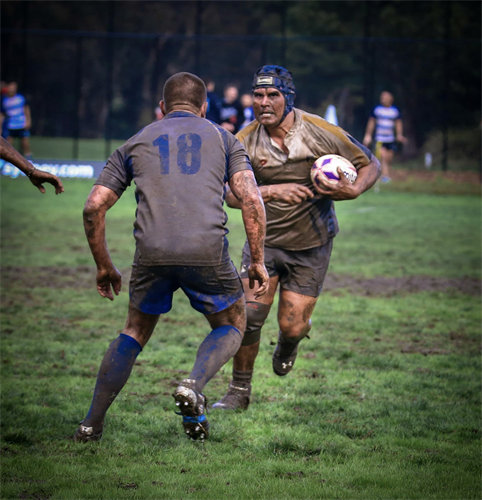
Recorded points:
(300,271)
(210,289)
(392,146)
(19,132)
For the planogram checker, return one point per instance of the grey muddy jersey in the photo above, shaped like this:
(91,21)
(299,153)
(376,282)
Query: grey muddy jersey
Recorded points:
(180,165)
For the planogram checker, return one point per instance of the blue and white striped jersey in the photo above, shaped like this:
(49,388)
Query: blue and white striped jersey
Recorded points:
(385,122)
(14,110)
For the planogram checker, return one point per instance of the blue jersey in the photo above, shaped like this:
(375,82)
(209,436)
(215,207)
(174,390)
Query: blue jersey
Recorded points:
(385,123)
(14,110)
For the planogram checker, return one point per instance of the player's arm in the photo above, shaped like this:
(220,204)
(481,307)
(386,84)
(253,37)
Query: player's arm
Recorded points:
(28,117)
(244,189)
(369,131)
(37,177)
(100,200)
(399,131)
(291,193)
(344,189)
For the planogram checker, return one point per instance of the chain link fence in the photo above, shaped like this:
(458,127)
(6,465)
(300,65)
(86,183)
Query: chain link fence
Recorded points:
(105,85)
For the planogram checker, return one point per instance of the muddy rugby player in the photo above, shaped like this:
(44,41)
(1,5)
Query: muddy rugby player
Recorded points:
(180,165)
(282,143)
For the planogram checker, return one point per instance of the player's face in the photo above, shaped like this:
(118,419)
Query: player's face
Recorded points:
(12,89)
(231,94)
(268,106)
(386,99)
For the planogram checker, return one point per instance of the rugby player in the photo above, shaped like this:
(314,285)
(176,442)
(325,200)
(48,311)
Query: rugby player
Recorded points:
(180,165)
(37,177)
(301,222)
(16,111)
(386,122)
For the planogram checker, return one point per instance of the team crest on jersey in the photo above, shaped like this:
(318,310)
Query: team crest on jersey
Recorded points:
(264,80)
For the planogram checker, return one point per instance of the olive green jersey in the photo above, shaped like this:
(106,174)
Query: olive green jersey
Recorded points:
(313,222)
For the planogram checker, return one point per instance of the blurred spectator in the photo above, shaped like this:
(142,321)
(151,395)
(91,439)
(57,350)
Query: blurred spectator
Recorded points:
(386,121)
(213,101)
(247,103)
(3,90)
(330,115)
(16,112)
(232,113)
(158,113)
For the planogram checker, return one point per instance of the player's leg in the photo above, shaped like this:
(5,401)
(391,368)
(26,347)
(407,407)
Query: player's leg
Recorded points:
(300,287)
(386,158)
(257,310)
(25,141)
(294,318)
(150,291)
(115,369)
(216,292)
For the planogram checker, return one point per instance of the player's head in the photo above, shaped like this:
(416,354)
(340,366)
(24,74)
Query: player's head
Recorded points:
(386,98)
(184,91)
(246,100)
(279,78)
(230,93)
(12,88)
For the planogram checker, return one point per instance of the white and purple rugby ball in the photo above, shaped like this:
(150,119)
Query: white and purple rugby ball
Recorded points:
(327,166)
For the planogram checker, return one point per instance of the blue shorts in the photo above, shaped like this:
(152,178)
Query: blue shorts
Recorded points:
(210,289)
(19,132)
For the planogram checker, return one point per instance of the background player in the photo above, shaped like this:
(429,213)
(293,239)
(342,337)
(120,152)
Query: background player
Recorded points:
(386,121)
(283,144)
(17,113)
(231,112)
(180,243)
(37,177)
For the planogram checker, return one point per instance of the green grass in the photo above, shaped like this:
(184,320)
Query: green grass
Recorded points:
(384,401)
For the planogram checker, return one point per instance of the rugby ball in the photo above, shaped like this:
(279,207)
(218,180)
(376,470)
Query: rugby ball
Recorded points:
(328,165)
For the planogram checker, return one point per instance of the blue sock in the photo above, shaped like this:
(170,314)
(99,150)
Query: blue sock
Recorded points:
(113,374)
(214,352)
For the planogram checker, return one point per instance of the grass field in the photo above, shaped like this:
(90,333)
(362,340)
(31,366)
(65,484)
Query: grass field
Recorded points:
(384,401)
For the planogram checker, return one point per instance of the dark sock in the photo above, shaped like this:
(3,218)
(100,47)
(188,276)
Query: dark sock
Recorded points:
(214,352)
(113,374)
(242,379)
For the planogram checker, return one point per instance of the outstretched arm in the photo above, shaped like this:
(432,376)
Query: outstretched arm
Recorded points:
(99,201)
(37,177)
(244,189)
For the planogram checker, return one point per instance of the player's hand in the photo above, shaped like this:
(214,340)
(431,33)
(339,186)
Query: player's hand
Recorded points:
(342,190)
(367,140)
(107,278)
(291,193)
(38,177)
(402,139)
(258,272)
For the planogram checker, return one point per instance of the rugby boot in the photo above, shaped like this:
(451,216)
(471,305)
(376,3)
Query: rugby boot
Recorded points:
(236,397)
(191,405)
(284,356)
(85,434)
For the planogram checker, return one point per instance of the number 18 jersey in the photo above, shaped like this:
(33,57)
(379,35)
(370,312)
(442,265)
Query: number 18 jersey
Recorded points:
(180,165)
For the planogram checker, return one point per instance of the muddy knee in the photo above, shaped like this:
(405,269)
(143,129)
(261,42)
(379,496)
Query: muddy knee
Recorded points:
(295,331)
(256,314)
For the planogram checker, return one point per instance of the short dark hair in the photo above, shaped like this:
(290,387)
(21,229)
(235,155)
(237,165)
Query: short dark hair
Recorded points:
(184,89)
